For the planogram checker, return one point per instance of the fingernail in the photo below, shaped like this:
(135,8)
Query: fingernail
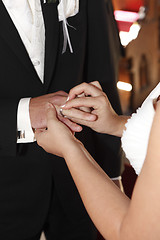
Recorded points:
(63,106)
(67,99)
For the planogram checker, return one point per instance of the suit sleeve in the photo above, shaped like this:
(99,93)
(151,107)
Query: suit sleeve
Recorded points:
(103,52)
(8,122)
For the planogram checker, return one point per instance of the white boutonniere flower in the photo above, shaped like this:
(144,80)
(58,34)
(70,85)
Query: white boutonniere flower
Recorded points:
(66,9)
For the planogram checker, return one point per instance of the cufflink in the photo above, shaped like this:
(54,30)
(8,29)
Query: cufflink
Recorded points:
(21,134)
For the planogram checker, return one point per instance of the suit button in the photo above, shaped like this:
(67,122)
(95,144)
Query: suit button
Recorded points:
(36,62)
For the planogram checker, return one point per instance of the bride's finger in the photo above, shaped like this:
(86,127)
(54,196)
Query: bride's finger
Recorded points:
(39,133)
(76,113)
(89,102)
(156,102)
(83,122)
(85,109)
(96,84)
(74,127)
(87,89)
(61,116)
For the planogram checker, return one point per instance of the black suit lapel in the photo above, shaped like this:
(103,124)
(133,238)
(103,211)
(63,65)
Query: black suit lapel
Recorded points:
(10,34)
(50,14)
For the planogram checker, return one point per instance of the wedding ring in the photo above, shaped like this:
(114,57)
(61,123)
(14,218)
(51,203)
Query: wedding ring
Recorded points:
(61,112)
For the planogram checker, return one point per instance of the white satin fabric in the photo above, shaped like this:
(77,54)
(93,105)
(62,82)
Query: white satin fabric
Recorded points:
(135,137)
(68,8)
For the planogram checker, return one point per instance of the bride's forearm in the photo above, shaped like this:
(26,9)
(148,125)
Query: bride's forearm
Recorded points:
(111,211)
(117,126)
(104,202)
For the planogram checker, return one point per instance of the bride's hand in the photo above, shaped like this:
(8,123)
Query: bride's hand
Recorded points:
(57,137)
(156,102)
(105,119)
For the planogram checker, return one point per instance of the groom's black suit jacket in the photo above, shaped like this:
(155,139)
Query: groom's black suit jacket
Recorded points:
(27,173)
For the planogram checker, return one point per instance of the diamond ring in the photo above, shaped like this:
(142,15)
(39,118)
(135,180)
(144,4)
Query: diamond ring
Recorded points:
(61,112)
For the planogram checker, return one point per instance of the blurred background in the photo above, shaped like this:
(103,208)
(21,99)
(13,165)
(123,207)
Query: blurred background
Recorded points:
(138,23)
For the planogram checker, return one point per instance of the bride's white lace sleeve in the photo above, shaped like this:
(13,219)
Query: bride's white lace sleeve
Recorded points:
(135,137)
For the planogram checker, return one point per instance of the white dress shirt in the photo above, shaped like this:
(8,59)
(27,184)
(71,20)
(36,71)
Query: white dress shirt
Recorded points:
(28,19)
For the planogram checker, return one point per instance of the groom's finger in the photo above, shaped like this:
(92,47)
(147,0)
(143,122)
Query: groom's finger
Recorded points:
(87,89)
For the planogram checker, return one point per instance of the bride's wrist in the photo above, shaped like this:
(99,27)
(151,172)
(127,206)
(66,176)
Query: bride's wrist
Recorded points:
(118,125)
(121,124)
(72,147)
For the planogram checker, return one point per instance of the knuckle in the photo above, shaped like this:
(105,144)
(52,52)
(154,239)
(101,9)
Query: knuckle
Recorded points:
(85,84)
(72,91)
(57,99)
(96,83)
(61,92)
(102,99)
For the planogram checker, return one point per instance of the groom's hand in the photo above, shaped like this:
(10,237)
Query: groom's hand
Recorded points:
(38,113)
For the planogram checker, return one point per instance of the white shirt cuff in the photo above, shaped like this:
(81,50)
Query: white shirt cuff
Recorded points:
(23,122)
